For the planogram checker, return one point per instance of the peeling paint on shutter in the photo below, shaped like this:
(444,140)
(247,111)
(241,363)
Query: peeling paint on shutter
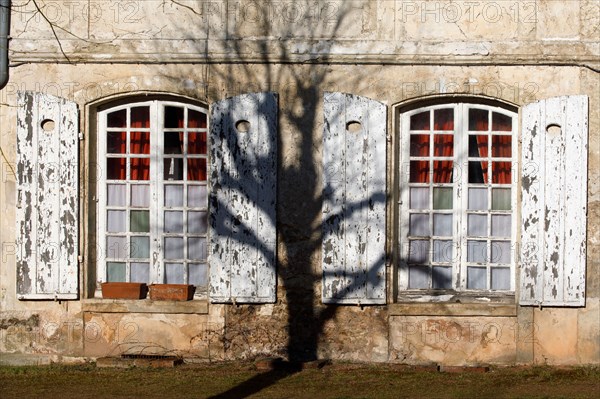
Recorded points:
(243,196)
(47,197)
(354,199)
(554,195)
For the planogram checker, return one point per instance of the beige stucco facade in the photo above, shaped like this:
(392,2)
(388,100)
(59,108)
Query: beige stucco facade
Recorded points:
(392,51)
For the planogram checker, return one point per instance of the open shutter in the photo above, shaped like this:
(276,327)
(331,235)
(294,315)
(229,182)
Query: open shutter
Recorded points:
(47,197)
(354,199)
(243,198)
(554,195)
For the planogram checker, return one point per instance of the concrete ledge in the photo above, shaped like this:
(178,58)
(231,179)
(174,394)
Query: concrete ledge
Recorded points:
(118,362)
(453,309)
(144,306)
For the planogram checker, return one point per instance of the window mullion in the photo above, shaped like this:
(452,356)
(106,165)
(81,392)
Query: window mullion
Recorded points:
(156,157)
(460,211)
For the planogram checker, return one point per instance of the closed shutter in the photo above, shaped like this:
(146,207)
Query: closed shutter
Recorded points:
(243,198)
(554,195)
(354,198)
(47,197)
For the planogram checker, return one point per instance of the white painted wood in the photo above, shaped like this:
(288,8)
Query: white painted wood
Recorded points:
(243,199)
(47,197)
(354,198)
(554,207)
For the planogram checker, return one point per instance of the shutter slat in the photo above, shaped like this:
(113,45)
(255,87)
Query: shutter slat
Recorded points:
(47,203)
(243,199)
(354,186)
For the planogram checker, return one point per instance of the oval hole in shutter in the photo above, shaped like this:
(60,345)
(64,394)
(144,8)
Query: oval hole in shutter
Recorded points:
(353,127)
(47,125)
(242,126)
(553,130)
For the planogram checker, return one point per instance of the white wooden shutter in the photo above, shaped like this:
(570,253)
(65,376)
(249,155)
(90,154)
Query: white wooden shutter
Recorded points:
(554,195)
(354,199)
(243,199)
(47,197)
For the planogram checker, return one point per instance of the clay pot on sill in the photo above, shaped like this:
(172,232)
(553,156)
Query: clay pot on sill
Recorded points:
(172,292)
(116,290)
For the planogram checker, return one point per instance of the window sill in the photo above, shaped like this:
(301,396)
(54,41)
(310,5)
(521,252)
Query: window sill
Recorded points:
(144,306)
(454,304)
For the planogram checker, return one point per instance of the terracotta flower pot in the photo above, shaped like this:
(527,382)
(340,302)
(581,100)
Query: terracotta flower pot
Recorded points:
(172,292)
(124,290)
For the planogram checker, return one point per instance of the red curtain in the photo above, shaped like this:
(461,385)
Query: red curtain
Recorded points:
(140,143)
(501,148)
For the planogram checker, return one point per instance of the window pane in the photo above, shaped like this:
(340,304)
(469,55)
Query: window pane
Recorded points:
(140,143)
(476,278)
(173,143)
(196,119)
(442,171)
(501,225)
(197,196)
(196,248)
(478,199)
(419,224)
(442,251)
(443,119)
(196,169)
(420,121)
(419,198)
(477,225)
(419,171)
(478,172)
(173,247)
(115,221)
(418,277)
(442,198)
(116,194)
(117,119)
(501,200)
(173,169)
(419,145)
(501,172)
(116,142)
(116,168)
(116,271)
(197,222)
(140,221)
(140,273)
(501,122)
(174,273)
(442,224)
(173,117)
(476,251)
(501,252)
(173,195)
(418,251)
(140,247)
(140,117)
(441,277)
(140,195)
(500,278)
(478,146)
(478,119)
(443,145)
(198,274)
(197,143)
(501,146)
(140,168)
(116,247)
(173,222)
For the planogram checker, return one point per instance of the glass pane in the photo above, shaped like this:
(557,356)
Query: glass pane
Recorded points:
(116,168)
(501,200)
(173,247)
(173,143)
(197,196)
(140,169)
(197,143)
(442,198)
(443,145)
(418,277)
(140,221)
(476,278)
(501,172)
(501,122)
(478,172)
(196,169)
(197,222)
(196,248)
(419,224)
(442,224)
(476,251)
(116,247)
(478,199)
(419,198)
(117,119)
(140,273)
(500,278)
(442,171)
(173,195)
(174,273)
(501,146)
(418,251)
(501,252)
(443,119)
(173,117)
(116,194)
(116,272)
(140,116)
(441,277)
(115,221)
(140,195)
(140,247)
(116,142)
(478,146)
(140,143)
(174,222)
(198,274)
(501,225)
(477,225)
(419,145)
(419,171)
(196,119)
(420,121)
(173,169)
(478,119)
(442,251)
